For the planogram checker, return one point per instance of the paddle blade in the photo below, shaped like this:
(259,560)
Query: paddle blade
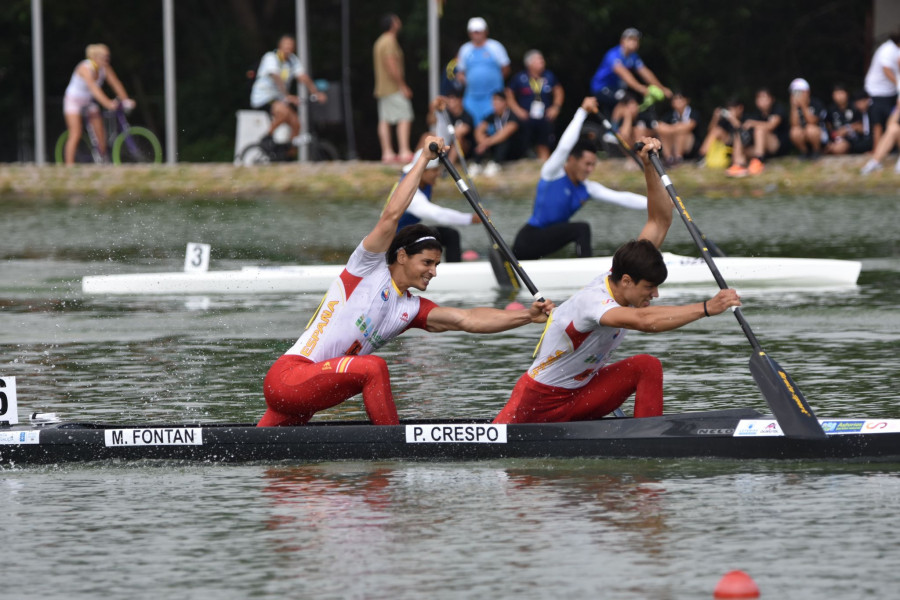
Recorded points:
(785,399)
(503,271)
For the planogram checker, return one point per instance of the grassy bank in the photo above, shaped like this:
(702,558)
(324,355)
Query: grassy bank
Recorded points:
(829,176)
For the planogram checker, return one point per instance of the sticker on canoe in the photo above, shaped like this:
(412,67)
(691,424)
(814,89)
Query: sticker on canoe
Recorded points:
(764,427)
(20,437)
(456,434)
(159,436)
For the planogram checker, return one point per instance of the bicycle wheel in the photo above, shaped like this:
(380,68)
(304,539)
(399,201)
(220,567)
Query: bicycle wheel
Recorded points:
(254,154)
(83,152)
(137,145)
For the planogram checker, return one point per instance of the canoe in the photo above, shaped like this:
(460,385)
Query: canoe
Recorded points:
(564,273)
(729,434)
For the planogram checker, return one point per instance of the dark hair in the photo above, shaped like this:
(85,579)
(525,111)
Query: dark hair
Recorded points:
(585,144)
(733,101)
(499,94)
(640,260)
(406,239)
(387,21)
(840,86)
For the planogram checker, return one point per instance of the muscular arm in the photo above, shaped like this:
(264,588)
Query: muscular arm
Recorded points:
(659,206)
(381,236)
(653,319)
(485,320)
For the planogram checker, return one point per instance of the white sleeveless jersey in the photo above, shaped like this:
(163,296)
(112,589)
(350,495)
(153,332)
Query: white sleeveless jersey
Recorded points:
(574,344)
(361,312)
(77,87)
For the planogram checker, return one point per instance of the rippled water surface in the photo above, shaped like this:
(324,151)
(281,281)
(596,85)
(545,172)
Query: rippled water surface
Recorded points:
(524,529)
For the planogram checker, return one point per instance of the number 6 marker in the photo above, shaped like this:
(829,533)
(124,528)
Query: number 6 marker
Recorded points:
(9,409)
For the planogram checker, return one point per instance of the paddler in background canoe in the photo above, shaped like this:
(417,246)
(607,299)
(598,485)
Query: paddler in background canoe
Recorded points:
(368,305)
(564,188)
(423,209)
(570,378)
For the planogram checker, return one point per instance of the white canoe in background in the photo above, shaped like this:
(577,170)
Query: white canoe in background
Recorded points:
(564,273)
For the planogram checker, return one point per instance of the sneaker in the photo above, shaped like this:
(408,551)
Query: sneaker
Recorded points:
(491,169)
(870,167)
(474,169)
(897,167)
(610,138)
(267,143)
(736,170)
(756,167)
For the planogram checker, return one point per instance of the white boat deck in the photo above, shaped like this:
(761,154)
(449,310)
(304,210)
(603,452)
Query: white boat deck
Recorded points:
(568,273)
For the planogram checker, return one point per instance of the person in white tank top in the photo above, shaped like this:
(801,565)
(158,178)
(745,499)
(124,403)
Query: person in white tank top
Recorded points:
(85,87)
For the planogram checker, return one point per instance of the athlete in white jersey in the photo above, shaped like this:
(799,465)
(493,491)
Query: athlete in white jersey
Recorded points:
(571,378)
(366,307)
(86,87)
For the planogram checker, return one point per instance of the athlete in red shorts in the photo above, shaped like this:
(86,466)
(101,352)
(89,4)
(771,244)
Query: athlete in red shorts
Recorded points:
(366,307)
(571,378)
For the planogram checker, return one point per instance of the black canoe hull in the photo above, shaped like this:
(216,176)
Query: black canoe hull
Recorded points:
(703,435)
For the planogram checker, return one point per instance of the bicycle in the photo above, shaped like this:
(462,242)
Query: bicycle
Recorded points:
(267,151)
(125,143)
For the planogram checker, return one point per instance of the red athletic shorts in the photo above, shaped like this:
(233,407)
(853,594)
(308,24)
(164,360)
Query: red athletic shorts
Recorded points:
(641,375)
(296,388)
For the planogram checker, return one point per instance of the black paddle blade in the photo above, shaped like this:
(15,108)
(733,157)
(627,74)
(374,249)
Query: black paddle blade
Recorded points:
(785,399)
(503,271)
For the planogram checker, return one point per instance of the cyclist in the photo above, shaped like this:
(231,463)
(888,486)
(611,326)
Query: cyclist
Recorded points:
(270,89)
(84,94)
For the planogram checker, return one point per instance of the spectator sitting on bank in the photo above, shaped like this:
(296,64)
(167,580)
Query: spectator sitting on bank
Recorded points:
(764,134)
(724,124)
(807,120)
(496,137)
(446,111)
(616,74)
(535,96)
(633,123)
(678,130)
(861,102)
(845,125)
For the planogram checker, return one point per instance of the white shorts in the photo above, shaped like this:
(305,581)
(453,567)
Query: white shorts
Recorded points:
(75,105)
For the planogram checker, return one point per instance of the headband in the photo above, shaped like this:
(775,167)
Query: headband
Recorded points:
(421,239)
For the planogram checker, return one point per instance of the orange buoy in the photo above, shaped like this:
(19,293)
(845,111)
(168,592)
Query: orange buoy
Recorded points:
(736,584)
(470,255)
(515,306)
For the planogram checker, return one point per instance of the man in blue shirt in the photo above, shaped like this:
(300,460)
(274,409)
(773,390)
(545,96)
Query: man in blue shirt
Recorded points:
(617,73)
(562,190)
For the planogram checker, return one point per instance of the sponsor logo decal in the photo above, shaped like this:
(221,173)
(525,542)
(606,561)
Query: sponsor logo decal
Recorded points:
(762,427)
(404,317)
(456,434)
(19,437)
(758,427)
(722,431)
(158,436)
(385,294)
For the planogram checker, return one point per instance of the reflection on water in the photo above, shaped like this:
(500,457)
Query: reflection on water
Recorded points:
(630,529)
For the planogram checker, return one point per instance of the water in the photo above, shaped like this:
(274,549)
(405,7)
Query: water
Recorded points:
(629,529)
